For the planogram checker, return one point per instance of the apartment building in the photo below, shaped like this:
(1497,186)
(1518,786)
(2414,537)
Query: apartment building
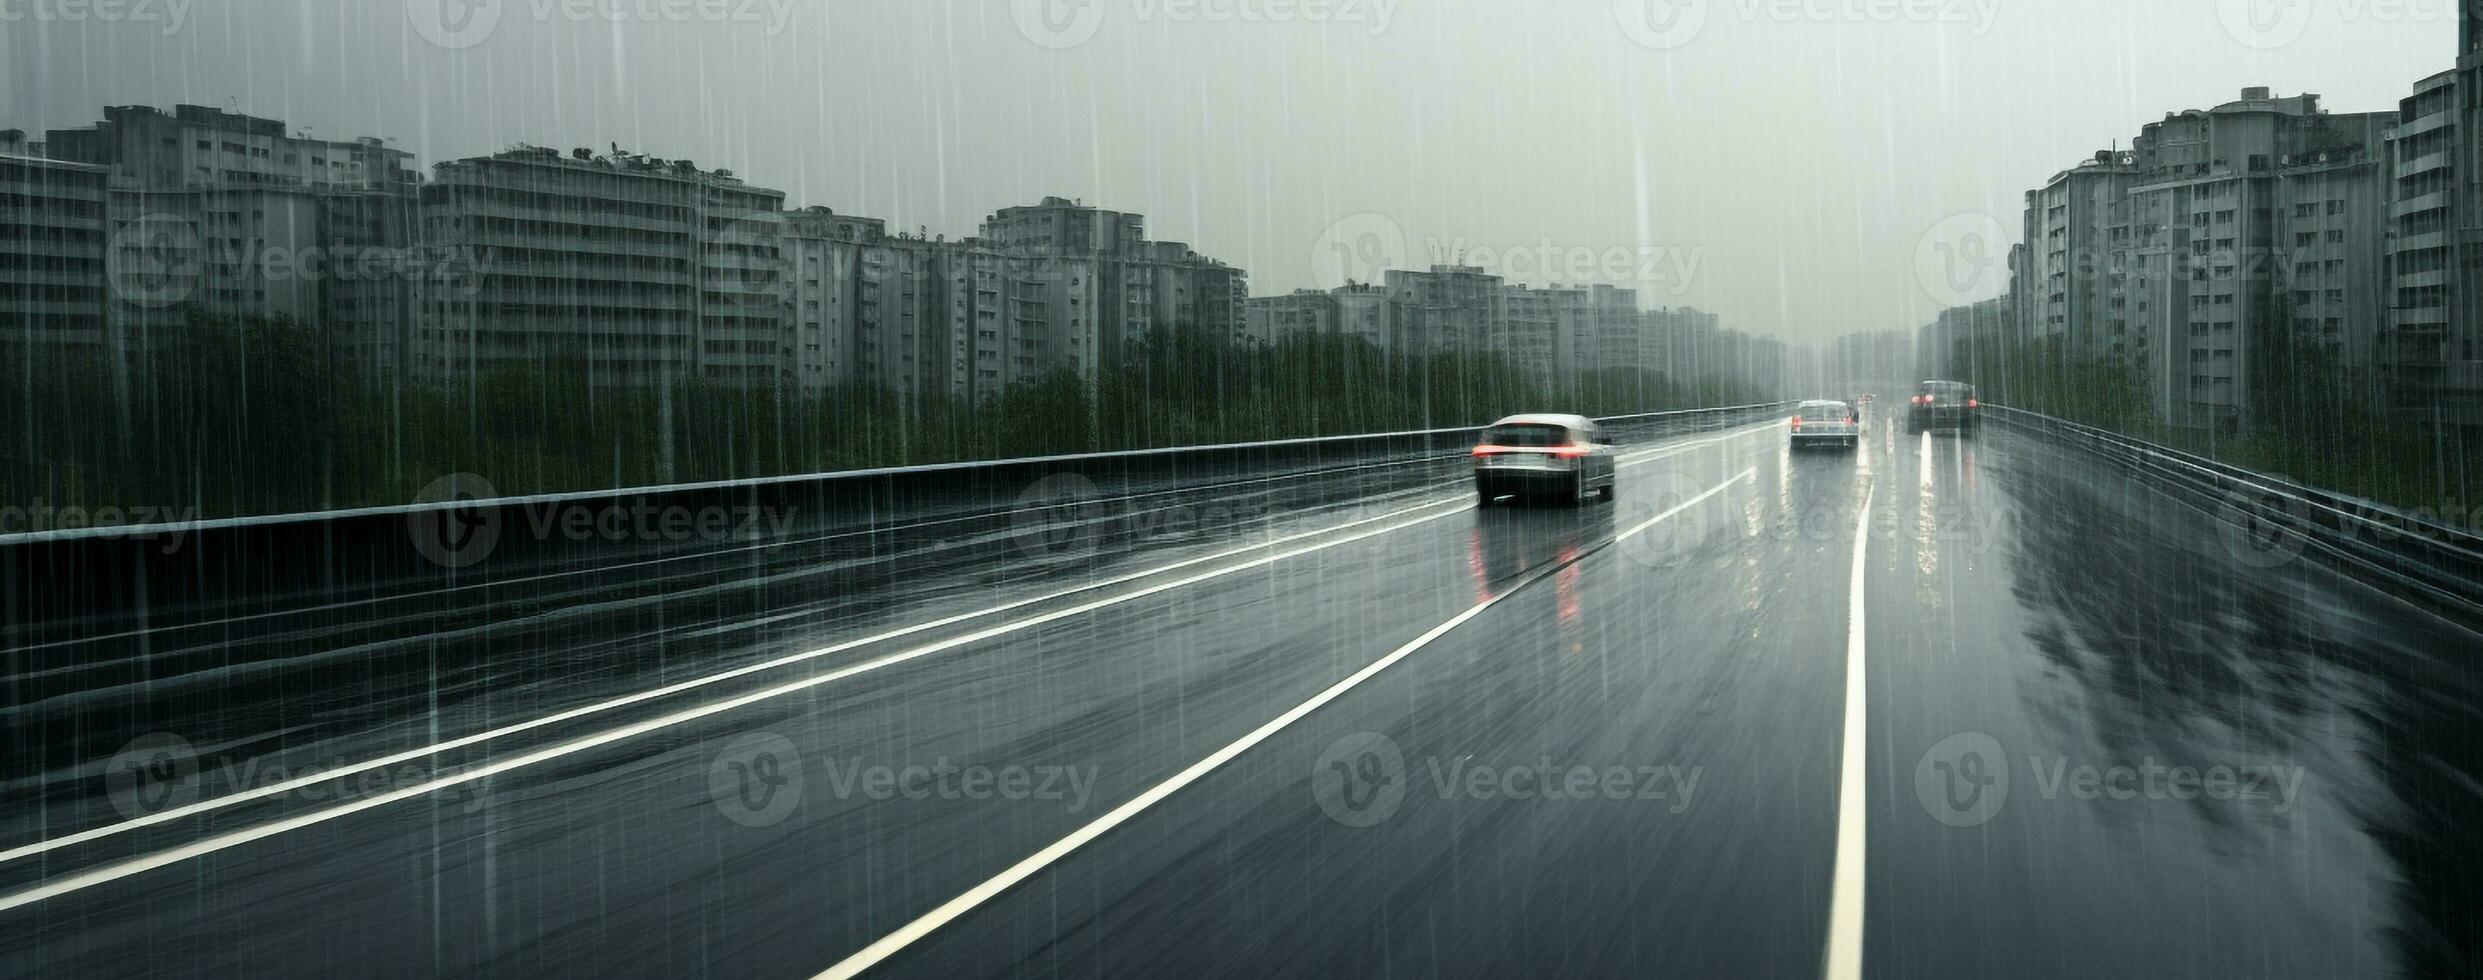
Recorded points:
(1378,316)
(636,269)
(2258,214)
(1611,340)
(232,215)
(1143,286)
(1271,319)
(1683,344)
(744,317)
(2430,358)
(1530,331)
(2331,215)
(1453,307)
(2071,223)
(895,306)
(822,252)
(1003,326)
(1060,225)
(1365,311)
(53,271)
(2242,220)
(1961,334)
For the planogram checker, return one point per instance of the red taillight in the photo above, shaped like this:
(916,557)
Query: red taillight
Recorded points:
(1569,452)
(1971,403)
(1797,422)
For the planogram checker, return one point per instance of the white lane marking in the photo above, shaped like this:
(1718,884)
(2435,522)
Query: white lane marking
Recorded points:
(1844,960)
(325,776)
(124,869)
(949,911)
(218,843)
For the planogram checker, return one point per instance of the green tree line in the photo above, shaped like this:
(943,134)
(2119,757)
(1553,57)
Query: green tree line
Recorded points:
(2309,418)
(252,417)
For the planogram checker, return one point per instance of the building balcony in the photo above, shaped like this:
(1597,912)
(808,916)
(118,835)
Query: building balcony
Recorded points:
(2417,243)
(89,278)
(2424,164)
(37,217)
(2423,124)
(589,275)
(2434,201)
(91,251)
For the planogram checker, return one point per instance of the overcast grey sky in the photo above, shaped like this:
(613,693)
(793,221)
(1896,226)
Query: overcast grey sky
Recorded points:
(1777,161)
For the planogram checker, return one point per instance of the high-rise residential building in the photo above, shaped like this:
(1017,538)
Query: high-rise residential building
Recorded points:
(1142,286)
(1170,286)
(2426,309)
(53,271)
(896,305)
(1378,316)
(1454,307)
(1271,319)
(635,269)
(2070,232)
(822,251)
(2220,236)
(1362,310)
(2430,355)
(1962,336)
(1011,317)
(1611,340)
(1060,225)
(1683,344)
(1530,331)
(2259,214)
(232,215)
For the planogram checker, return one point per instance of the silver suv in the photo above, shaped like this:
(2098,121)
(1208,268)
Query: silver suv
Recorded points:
(1563,458)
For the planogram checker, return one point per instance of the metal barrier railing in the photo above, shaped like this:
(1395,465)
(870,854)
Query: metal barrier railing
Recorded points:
(2438,566)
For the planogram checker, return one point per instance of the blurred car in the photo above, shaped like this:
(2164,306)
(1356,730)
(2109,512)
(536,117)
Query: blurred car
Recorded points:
(1943,405)
(1822,422)
(1564,458)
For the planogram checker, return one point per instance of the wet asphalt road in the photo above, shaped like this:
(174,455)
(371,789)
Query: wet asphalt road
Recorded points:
(2104,738)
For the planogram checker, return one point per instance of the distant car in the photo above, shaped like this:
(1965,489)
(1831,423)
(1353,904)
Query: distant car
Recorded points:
(1564,458)
(1821,422)
(1943,405)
